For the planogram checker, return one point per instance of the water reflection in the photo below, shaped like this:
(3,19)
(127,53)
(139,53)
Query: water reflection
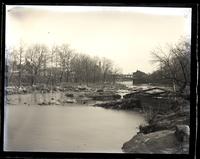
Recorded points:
(68,128)
(34,97)
(19,99)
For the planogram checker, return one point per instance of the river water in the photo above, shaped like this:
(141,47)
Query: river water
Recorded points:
(68,128)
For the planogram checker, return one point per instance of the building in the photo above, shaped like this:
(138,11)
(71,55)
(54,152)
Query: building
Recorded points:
(140,77)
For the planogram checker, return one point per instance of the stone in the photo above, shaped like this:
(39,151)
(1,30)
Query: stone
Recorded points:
(43,103)
(157,142)
(124,104)
(106,97)
(100,90)
(54,102)
(82,88)
(69,95)
(69,101)
(182,133)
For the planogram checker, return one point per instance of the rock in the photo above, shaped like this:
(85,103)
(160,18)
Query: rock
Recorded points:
(14,90)
(106,97)
(54,102)
(112,104)
(155,127)
(83,100)
(69,95)
(100,90)
(81,95)
(165,121)
(43,103)
(159,142)
(182,133)
(69,101)
(121,104)
(82,88)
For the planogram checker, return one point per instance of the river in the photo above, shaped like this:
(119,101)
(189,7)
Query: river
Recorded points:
(68,128)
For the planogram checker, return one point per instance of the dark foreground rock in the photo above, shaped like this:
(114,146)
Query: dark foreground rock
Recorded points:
(166,122)
(166,132)
(121,104)
(103,96)
(69,95)
(159,142)
(47,103)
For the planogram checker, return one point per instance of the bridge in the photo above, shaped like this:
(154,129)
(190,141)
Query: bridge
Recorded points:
(124,77)
(136,77)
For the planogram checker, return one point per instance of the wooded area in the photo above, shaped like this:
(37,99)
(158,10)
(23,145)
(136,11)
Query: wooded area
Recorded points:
(174,66)
(39,64)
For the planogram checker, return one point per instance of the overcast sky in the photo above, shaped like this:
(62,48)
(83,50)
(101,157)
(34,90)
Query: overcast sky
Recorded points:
(124,34)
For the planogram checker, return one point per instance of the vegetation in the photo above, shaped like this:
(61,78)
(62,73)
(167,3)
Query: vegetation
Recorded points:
(174,66)
(38,64)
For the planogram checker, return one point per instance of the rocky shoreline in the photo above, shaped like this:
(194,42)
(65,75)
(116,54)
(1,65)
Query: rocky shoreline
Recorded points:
(168,118)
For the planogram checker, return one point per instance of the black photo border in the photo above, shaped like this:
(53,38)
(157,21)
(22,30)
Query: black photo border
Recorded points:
(193,96)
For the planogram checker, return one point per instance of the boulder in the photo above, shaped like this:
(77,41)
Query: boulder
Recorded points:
(69,101)
(83,88)
(52,102)
(105,96)
(83,100)
(182,133)
(100,90)
(121,104)
(165,121)
(159,142)
(155,127)
(44,103)
(69,95)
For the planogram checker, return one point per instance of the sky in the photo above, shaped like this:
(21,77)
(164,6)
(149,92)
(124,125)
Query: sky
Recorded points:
(126,35)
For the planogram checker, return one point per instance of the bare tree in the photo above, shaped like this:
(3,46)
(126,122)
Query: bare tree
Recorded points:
(175,64)
(40,64)
(106,66)
(20,53)
(35,58)
(65,56)
(11,63)
(16,59)
(116,70)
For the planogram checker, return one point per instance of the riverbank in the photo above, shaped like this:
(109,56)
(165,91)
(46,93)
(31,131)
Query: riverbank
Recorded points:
(167,132)
(168,118)
(67,93)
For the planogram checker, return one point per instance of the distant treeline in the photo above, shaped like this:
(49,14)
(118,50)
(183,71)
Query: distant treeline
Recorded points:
(38,64)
